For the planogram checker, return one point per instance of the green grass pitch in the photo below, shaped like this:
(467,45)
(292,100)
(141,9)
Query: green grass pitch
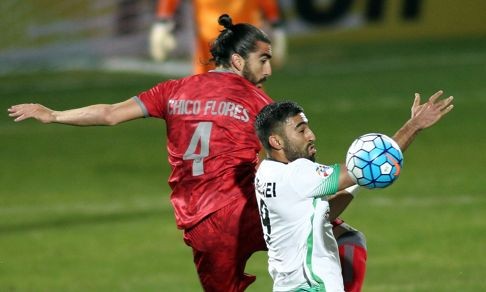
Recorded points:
(87,209)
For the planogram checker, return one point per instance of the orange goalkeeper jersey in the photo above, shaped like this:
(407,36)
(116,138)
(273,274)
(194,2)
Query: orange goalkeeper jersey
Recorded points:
(206,14)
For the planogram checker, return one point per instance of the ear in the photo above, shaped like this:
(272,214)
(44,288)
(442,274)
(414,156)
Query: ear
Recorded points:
(275,142)
(237,62)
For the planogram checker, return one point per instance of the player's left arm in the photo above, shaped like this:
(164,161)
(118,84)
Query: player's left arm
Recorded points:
(423,116)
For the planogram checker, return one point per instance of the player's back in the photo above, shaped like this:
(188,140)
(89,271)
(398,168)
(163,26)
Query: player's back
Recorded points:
(211,141)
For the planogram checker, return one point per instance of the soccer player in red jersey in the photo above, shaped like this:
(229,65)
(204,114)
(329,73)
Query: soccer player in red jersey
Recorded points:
(213,150)
(212,147)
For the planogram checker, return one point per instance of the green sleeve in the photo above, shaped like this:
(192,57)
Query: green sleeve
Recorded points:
(329,185)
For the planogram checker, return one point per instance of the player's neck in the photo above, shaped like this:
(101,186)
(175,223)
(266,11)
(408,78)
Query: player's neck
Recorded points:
(278,157)
(275,160)
(221,69)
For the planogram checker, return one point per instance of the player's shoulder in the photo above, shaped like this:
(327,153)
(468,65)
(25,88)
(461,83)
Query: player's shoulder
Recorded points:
(303,166)
(270,164)
(271,167)
(302,162)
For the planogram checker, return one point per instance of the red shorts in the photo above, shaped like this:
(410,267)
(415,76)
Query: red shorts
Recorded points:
(223,242)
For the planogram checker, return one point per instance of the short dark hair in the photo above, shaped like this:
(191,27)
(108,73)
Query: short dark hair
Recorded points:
(238,38)
(271,118)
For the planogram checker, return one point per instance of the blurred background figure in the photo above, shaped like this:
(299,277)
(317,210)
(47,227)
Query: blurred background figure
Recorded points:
(264,14)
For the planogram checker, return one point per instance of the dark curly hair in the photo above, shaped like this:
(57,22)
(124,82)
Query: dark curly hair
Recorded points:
(238,38)
(272,117)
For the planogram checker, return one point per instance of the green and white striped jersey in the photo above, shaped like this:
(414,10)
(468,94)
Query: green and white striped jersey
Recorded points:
(292,200)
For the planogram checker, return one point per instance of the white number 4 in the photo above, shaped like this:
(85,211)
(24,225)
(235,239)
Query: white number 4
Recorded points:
(202,134)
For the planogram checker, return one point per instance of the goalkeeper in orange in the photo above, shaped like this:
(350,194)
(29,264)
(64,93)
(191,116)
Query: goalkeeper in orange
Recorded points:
(256,12)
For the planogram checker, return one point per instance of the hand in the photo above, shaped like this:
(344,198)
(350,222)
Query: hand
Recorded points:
(427,114)
(162,41)
(31,110)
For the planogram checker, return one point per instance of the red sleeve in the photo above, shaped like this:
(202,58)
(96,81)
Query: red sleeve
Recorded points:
(154,100)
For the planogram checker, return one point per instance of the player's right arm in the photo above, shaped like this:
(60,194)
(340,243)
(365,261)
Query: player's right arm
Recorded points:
(93,115)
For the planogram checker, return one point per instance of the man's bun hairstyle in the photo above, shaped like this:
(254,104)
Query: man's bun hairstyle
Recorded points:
(238,38)
(225,21)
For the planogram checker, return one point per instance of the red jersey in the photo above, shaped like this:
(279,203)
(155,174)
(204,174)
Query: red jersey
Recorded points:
(212,145)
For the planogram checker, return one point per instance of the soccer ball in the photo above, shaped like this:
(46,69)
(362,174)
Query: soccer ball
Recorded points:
(374,161)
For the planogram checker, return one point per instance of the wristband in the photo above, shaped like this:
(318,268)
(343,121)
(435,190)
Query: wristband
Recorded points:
(352,190)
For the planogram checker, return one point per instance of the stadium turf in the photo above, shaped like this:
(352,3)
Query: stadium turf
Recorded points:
(87,209)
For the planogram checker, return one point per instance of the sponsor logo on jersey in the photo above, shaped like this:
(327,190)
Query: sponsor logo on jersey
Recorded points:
(324,170)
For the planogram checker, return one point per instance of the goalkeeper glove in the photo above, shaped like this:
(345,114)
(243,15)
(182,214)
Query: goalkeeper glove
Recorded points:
(279,45)
(162,41)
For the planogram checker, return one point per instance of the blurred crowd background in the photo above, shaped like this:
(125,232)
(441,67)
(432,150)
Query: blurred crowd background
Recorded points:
(113,34)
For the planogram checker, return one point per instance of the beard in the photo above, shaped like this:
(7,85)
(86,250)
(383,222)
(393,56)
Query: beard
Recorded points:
(293,153)
(248,75)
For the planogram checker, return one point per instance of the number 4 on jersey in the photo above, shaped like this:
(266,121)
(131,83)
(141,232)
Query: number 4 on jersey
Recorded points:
(201,136)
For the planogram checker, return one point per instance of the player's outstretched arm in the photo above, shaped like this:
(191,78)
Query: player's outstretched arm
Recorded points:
(93,115)
(423,116)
